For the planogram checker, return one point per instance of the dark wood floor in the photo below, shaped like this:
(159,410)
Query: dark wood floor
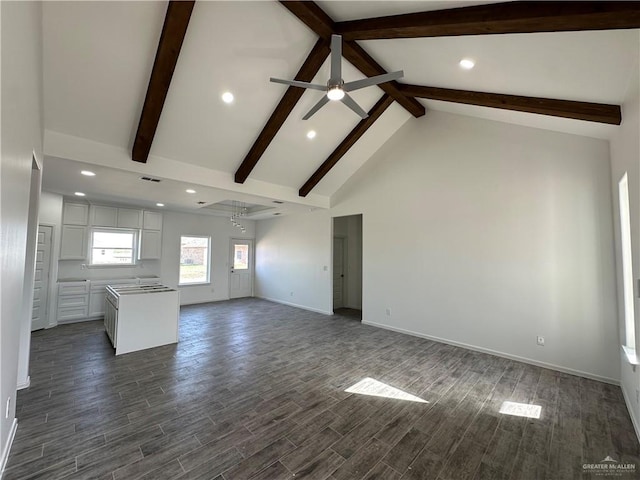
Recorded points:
(256,390)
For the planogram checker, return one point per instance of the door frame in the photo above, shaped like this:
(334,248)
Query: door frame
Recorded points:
(50,292)
(252,261)
(345,269)
(53,274)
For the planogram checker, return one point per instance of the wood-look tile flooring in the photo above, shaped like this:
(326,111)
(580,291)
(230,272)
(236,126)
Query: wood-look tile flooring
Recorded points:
(256,390)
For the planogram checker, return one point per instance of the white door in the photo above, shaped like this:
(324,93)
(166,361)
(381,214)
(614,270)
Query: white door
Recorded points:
(39,317)
(241,268)
(338,272)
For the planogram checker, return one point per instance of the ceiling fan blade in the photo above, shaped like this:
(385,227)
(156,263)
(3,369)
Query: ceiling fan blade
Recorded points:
(316,107)
(336,59)
(351,103)
(367,82)
(296,83)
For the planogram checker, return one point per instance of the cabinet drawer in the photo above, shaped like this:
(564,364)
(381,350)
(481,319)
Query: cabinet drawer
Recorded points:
(72,313)
(73,288)
(73,300)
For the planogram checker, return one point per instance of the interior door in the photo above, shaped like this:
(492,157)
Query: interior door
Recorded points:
(338,272)
(39,317)
(241,268)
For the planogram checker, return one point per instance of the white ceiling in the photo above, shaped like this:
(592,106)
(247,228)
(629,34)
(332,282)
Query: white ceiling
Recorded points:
(98,57)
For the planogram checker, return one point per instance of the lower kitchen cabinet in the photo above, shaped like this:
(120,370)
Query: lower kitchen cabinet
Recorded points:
(98,291)
(73,301)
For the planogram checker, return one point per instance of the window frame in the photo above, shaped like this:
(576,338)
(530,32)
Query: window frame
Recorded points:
(207,263)
(134,247)
(628,293)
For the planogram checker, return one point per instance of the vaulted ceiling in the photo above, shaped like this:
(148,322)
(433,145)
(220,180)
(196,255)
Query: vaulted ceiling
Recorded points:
(107,103)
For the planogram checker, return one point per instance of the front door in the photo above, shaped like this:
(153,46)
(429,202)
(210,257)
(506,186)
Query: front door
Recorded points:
(241,269)
(39,318)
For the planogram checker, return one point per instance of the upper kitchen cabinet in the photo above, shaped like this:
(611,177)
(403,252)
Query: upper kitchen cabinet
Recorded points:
(152,220)
(105,216)
(129,218)
(75,214)
(73,244)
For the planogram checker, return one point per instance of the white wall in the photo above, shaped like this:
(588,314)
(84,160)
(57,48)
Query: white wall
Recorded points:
(221,231)
(625,157)
(22,129)
(293,260)
(350,228)
(29,275)
(488,234)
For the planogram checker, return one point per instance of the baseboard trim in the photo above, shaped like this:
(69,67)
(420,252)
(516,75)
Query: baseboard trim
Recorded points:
(7,447)
(634,419)
(291,304)
(517,358)
(25,384)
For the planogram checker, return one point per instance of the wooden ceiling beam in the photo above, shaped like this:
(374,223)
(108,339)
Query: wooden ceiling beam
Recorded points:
(498,18)
(312,16)
(360,59)
(309,69)
(591,112)
(174,30)
(317,20)
(376,111)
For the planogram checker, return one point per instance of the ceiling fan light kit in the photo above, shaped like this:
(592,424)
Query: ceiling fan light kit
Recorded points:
(336,89)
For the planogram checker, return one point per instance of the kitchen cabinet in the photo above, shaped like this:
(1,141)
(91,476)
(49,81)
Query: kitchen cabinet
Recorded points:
(73,301)
(97,293)
(73,243)
(150,245)
(141,317)
(103,216)
(152,220)
(129,218)
(75,214)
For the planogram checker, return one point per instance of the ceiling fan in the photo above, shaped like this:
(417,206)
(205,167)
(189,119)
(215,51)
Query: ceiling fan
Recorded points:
(335,88)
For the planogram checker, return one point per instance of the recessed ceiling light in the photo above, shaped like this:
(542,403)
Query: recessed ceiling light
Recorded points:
(79,194)
(159,204)
(311,134)
(190,190)
(88,173)
(227,97)
(467,63)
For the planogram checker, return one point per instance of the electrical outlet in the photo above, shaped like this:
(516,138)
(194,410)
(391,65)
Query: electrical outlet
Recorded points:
(388,312)
(540,340)
(6,413)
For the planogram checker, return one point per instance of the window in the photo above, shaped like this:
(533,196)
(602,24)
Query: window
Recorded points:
(113,247)
(627,269)
(194,260)
(241,257)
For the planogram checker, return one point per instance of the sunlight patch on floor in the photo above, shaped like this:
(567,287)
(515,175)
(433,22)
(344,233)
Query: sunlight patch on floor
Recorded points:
(372,387)
(521,409)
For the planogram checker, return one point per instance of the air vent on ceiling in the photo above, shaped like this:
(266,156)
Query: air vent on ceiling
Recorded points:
(277,214)
(202,203)
(277,201)
(150,179)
